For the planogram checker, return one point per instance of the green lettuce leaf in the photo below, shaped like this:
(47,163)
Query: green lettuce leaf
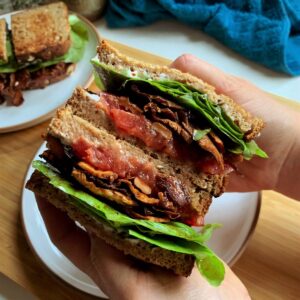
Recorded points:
(107,78)
(8,51)
(198,134)
(208,264)
(10,65)
(79,37)
(174,236)
(184,95)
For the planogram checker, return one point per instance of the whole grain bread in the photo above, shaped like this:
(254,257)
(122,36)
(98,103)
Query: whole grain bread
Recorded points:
(41,33)
(3,32)
(81,117)
(180,264)
(248,124)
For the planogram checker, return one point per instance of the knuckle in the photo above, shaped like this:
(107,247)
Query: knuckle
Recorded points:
(183,61)
(232,84)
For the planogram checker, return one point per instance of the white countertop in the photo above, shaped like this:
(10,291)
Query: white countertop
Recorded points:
(171,39)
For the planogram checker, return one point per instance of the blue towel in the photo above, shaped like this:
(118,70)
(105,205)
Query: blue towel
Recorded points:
(267,32)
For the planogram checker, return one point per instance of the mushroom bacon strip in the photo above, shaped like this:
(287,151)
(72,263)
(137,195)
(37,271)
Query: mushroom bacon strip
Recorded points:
(180,124)
(162,199)
(108,175)
(109,194)
(217,141)
(150,218)
(139,195)
(205,142)
(158,99)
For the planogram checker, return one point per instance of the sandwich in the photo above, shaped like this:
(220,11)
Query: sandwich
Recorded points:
(42,47)
(138,163)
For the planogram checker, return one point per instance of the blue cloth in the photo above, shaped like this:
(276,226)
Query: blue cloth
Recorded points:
(267,32)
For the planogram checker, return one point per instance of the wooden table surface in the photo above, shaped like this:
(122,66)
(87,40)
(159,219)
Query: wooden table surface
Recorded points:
(269,267)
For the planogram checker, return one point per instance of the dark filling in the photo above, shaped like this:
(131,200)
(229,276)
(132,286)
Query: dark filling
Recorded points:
(12,84)
(166,200)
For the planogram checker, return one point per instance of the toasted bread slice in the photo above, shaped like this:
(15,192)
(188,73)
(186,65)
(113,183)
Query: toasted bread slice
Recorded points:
(3,32)
(248,124)
(180,264)
(42,32)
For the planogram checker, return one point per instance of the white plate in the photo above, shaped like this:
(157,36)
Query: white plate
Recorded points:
(238,212)
(39,104)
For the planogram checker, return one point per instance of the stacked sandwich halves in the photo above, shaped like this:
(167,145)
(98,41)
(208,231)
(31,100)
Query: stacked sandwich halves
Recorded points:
(41,48)
(139,163)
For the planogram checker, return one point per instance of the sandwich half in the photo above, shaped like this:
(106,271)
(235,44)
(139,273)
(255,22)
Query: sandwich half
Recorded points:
(41,33)
(42,47)
(138,163)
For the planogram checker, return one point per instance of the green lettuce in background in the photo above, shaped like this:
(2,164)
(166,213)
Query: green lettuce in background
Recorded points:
(79,37)
(173,236)
(11,63)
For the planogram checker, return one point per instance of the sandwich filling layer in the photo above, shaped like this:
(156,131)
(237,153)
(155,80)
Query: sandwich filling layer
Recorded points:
(120,172)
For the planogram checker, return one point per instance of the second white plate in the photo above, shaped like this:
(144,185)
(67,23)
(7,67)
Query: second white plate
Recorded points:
(40,104)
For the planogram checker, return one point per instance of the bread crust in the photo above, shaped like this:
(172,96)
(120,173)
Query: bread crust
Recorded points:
(30,42)
(248,124)
(3,32)
(180,264)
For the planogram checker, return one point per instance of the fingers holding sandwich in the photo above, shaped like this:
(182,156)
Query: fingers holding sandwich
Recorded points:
(123,277)
(258,173)
(240,90)
(223,83)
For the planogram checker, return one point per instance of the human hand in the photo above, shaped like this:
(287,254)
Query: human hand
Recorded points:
(279,139)
(121,277)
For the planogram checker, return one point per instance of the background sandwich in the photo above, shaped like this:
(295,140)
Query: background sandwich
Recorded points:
(139,163)
(41,48)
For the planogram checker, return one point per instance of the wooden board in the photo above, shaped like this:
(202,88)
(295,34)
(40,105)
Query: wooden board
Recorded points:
(269,267)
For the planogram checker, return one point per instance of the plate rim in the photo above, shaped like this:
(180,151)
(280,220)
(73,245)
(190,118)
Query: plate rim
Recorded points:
(231,263)
(248,237)
(47,115)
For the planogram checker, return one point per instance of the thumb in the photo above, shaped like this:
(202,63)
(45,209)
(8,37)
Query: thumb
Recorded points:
(113,269)
(240,90)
